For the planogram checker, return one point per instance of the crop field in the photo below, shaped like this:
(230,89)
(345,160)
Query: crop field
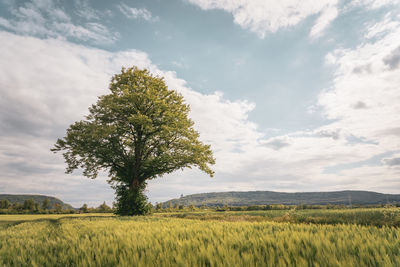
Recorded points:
(361,216)
(13,219)
(32,217)
(169,241)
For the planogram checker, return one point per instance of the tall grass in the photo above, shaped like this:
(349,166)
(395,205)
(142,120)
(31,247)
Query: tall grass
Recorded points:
(363,216)
(32,217)
(151,241)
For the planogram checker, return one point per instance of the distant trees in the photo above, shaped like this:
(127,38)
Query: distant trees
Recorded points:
(158,206)
(5,204)
(31,206)
(103,208)
(57,207)
(84,208)
(46,204)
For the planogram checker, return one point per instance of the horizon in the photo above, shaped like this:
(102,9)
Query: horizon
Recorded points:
(182,196)
(292,98)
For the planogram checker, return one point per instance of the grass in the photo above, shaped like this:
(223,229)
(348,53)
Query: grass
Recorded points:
(32,217)
(14,219)
(152,241)
(363,216)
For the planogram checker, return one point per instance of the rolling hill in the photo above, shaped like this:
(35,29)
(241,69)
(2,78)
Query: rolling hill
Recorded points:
(270,197)
(37,198)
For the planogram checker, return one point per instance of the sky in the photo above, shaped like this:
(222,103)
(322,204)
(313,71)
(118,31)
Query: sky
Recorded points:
(292,96)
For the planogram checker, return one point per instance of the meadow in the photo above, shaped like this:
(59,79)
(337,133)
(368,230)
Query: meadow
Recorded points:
(362,216)
(228,240)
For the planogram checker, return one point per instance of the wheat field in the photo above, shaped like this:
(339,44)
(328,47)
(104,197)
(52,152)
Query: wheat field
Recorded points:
(153,241)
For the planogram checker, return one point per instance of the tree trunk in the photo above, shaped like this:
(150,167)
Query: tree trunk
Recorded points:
(132,200)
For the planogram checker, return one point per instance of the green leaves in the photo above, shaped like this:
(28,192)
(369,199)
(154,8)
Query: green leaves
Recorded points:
(140,131)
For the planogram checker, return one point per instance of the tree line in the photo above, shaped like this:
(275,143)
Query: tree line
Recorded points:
(30,206)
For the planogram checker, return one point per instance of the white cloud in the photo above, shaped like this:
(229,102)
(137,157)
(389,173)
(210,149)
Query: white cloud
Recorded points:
(372,4)
(365,100)
(381,28)
(269,16)
(265,16)
(43,18)
(136,13)
(326,17)
(84,10)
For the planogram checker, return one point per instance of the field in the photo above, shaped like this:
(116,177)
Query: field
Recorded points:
(361,216)
(201,239)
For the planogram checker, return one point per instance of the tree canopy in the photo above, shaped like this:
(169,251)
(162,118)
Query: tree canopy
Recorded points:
(139,131)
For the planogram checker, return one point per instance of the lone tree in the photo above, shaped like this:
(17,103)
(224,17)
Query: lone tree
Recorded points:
(138,132)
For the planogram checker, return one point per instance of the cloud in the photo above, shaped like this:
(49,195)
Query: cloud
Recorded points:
(346,100)
(264,17)
(277,143)
(393,59)
(136,13)
(383,27)
(42,18)
(359,105)
(323,21)
(391,161)
(334,134)
(84,10)
(373,4)
(269,16)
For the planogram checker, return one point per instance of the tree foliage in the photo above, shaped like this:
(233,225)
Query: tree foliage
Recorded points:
(139,131)
(5,204)
(46,204)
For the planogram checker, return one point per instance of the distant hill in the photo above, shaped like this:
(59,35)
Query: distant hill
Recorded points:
(37,198)
(270,197)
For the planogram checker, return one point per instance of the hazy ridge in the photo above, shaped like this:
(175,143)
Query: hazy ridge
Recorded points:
(236,198)
(37,198)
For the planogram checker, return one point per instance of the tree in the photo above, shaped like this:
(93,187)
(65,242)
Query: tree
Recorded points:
(58,208)
(37,207)
(104,208)
(84,208)
(46,204)
(29,204)
(139,131)
(5,204)
(159,206)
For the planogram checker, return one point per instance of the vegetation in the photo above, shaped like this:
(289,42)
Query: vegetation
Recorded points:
(103,208)
(348,198)
(150,241)
(140,131)
(30,206)
(389,216)
(40,199)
